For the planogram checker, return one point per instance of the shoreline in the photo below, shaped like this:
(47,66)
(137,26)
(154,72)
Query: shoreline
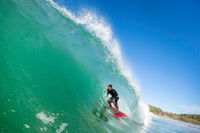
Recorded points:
(188,118)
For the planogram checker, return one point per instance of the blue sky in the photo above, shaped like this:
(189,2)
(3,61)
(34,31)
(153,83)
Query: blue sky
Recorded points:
(161,41)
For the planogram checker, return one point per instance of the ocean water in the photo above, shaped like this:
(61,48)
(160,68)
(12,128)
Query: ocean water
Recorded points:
(54,70)
(164,125)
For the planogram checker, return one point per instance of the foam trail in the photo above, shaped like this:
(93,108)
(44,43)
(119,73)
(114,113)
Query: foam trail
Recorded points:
(102,30)
(61,128)
(45,119)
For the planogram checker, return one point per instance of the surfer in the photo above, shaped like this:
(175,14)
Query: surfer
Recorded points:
(114,97)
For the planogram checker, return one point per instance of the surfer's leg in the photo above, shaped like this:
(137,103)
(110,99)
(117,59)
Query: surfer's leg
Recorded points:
(115,103)
(109,102)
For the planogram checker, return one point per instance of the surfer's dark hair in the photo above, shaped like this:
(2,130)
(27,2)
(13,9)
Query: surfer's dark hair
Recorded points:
(110,85)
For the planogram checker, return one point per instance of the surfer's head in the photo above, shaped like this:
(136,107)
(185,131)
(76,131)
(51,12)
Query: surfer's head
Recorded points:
(109,87)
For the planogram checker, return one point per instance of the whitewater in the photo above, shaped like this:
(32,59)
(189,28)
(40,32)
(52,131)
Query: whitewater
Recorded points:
(55,66)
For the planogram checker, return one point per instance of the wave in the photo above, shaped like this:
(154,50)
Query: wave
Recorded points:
(95,24)
(56,66)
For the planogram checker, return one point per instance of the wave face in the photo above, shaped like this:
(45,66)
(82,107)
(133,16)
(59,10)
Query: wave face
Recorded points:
(55,68)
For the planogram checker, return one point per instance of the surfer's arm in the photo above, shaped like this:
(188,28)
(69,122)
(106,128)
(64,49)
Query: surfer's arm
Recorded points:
(116,94)
(107,94)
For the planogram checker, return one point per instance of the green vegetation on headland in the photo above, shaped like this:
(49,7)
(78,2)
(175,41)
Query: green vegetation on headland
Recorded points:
(189,118)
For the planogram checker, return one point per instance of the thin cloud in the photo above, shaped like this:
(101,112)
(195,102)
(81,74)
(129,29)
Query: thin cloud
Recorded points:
(191,109)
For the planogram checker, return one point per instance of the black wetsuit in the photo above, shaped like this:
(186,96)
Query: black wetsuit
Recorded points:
(114,95)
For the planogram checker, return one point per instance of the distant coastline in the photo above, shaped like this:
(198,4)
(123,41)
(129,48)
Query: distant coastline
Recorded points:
(189,118)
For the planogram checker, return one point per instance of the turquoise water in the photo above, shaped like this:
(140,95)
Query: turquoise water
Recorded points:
(54,69)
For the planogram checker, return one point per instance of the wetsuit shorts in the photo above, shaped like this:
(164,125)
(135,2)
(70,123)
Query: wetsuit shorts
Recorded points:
(113,98)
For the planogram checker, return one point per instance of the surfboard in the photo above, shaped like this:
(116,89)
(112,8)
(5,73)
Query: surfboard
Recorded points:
(118,113)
